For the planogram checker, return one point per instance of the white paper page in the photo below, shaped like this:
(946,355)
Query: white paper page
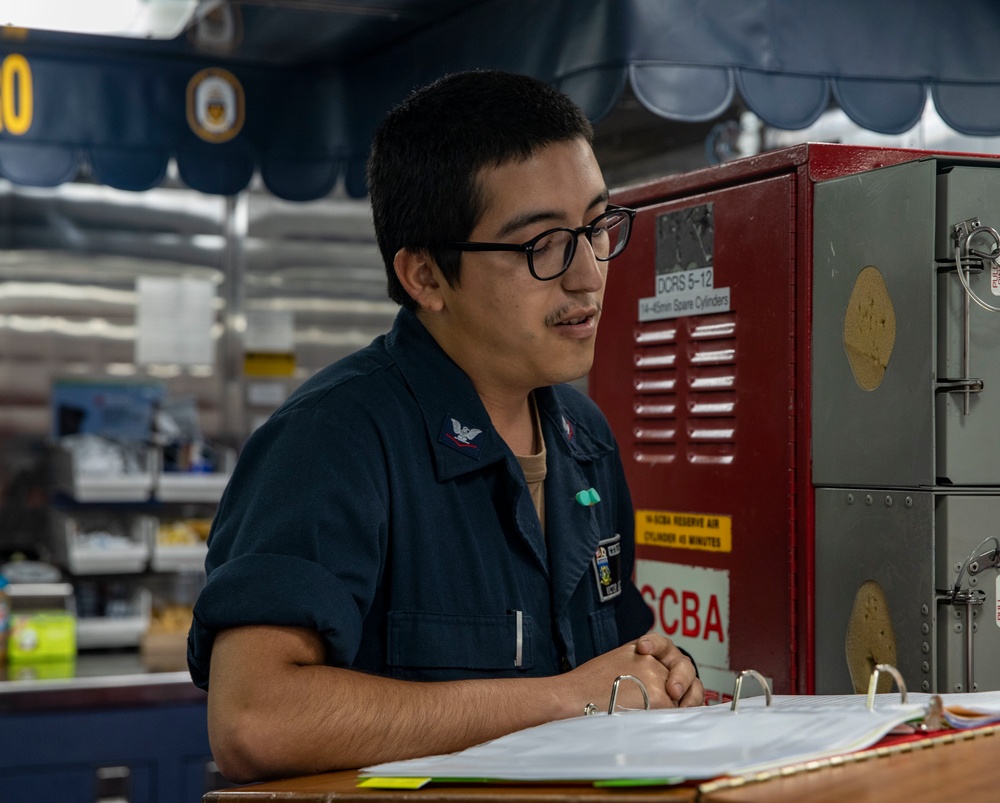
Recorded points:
(692,743)
(985,704)
(174,320)
(837,702)
(986,701)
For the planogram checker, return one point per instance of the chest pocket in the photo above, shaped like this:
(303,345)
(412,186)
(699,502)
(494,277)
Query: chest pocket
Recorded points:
(439,646)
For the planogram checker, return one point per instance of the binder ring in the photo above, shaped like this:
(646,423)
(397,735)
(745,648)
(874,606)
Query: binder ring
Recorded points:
(614,692)
(873,684)
(590,709)
(739,687)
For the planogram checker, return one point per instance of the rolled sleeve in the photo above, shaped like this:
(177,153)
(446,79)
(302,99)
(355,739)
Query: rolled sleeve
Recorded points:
(273,590)
(299,537)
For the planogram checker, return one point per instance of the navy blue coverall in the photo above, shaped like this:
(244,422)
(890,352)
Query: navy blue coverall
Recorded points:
(378,507)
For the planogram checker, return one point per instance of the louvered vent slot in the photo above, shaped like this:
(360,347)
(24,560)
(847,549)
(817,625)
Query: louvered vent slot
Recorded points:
(655,401)
(684,404)
(710,401)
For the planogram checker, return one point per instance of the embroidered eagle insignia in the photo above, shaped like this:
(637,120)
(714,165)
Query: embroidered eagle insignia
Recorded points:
(464,434)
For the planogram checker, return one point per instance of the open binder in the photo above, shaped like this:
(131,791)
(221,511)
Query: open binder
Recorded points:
(749,737)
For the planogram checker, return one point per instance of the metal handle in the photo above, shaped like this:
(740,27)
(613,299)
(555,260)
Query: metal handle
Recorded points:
(962,234)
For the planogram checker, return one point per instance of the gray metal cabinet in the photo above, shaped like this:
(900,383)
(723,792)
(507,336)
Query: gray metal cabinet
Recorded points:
(906,457)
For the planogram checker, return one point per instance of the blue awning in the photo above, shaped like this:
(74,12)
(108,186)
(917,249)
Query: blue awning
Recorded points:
(127,116)
(305,118)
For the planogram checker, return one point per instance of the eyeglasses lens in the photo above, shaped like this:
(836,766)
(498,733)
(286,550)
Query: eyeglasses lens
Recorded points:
(553,253)
(610,234)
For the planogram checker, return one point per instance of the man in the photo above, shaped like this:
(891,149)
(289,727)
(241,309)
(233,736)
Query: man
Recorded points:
(436,507)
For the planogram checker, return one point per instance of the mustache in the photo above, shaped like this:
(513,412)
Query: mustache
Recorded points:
(561,312)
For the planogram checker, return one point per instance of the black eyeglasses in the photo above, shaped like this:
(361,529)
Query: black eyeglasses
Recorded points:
(551,252)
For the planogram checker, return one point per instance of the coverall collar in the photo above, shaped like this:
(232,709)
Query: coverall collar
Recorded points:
(448,399)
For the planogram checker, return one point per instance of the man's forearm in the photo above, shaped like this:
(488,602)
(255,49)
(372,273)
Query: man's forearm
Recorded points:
(286,718)
(275,710)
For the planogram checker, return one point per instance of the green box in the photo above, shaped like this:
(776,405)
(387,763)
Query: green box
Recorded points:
(41,636)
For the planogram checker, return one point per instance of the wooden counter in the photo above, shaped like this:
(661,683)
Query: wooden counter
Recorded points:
(341,787)
(957,766)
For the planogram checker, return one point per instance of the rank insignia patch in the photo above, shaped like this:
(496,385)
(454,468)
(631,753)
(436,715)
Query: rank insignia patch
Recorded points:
(607,565)
(461,438)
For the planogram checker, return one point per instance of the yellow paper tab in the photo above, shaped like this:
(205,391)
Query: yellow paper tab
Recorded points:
(393,783)
(703,531)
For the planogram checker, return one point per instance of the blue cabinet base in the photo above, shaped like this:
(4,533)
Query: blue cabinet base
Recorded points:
(153,754)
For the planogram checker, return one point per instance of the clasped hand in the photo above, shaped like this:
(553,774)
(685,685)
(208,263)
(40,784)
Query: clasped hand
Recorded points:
(666,672)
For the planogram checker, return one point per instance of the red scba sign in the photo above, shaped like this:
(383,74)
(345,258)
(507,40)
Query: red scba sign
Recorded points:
(683,614)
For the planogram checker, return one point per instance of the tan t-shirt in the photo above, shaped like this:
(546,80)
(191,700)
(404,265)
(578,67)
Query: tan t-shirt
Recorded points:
(533,466)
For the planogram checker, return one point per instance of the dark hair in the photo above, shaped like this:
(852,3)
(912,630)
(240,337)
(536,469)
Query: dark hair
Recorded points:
(427,154)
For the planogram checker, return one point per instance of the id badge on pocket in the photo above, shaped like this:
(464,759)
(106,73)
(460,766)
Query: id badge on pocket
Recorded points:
(607,565)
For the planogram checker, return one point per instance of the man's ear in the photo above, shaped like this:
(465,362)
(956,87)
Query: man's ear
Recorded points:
(420,277)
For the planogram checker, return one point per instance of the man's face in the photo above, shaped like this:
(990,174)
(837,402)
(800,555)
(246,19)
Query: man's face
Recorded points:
(507,330)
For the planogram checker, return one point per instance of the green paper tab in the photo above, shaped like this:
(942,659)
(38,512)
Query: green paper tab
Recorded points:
(640,782)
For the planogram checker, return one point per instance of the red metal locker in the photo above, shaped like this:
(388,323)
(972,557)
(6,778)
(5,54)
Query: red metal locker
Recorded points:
(709,398)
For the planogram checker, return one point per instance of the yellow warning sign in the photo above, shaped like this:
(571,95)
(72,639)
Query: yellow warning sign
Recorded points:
(703,531)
